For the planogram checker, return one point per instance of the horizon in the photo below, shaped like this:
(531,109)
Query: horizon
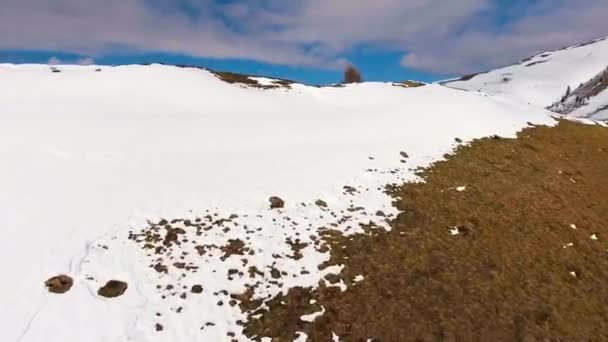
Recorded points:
(309,42)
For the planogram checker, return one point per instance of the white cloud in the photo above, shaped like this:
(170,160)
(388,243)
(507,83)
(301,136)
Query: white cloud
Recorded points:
(86,61)
(434,35)
(53,61)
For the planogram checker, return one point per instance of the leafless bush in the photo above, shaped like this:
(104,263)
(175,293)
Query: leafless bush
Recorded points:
(352,75)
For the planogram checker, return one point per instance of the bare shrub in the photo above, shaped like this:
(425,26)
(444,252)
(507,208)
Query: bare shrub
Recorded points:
(352,75)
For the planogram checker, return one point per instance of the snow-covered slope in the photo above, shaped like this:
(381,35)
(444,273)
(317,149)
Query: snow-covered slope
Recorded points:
(90,154)
(543,79)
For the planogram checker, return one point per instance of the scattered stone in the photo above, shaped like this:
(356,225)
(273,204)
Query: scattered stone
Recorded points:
(59,284)
(349,189)
(458,140)
(159,327)
(160,268)
(197,289)
(276,202)
(274,273)
(112,289)
(404,155)
(321,203)
(332,278)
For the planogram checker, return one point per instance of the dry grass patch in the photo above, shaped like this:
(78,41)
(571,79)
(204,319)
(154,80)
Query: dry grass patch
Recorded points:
(505,241)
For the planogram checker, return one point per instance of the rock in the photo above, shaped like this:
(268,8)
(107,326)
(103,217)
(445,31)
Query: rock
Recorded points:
(321,203)
(197,289)
(404,155)
(159,327)
(112,289)
(59,284)
(380,213)
(276,202)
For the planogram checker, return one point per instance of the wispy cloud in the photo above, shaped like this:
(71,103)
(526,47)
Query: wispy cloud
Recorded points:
(433,35)
(53,61)
(85,61)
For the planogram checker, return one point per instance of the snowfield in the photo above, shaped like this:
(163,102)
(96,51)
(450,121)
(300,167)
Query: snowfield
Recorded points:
(95,159)
(542,79)
(596,108)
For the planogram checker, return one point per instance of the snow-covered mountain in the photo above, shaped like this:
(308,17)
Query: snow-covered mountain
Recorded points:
(544,79)
(97,162)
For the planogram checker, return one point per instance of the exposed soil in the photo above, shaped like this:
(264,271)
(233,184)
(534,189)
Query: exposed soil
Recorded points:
(409,84)
(59,284)
(236,78)
(247,80)
(505,241)
(112,289)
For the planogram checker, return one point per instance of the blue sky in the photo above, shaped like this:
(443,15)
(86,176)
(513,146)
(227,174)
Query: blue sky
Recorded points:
(307,40)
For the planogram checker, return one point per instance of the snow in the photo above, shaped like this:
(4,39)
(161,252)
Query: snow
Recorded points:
(543,79)
(88,156)
(597,108)
(358,278)
(311,318)
(301,337)
(264,81)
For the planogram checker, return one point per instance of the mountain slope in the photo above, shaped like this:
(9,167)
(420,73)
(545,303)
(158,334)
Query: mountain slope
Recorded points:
(161,176)
(543,79)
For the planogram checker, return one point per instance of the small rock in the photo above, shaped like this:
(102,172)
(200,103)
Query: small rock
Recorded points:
(321,203)
(404,155)
(380,213)
(159,327)
(59,284)
(458,140)
(197,289)
(112,289)
(276,202)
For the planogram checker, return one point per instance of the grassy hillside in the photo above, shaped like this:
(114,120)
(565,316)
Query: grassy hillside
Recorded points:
(506,240)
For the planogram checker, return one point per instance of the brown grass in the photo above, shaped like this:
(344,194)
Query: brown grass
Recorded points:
(505,277)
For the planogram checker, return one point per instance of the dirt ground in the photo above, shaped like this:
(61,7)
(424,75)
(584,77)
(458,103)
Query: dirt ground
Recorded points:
(507,240)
